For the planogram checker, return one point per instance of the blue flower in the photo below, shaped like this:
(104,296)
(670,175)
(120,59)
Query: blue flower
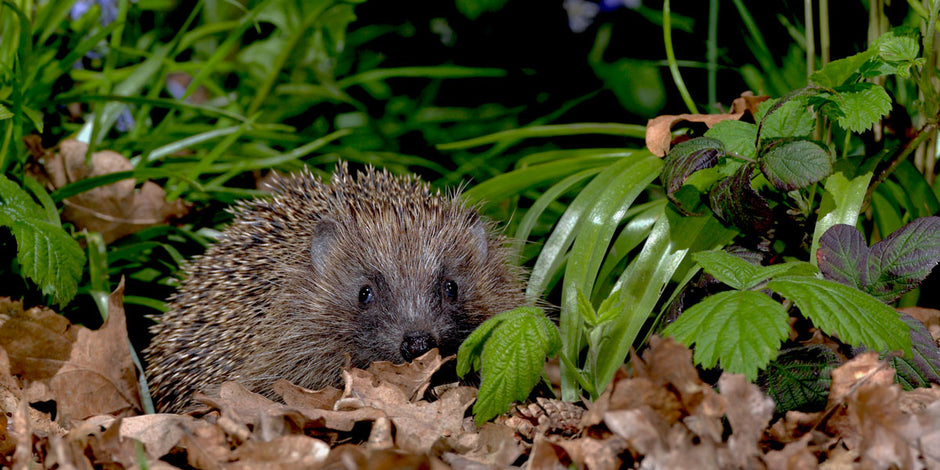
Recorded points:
(109,9)
(125,121)
(581,13)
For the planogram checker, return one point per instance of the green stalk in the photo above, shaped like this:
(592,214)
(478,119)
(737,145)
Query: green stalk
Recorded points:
(810,38)
(711,54)
(671,58)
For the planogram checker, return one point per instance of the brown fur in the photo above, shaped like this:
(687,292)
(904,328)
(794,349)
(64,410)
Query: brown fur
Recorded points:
(278,295)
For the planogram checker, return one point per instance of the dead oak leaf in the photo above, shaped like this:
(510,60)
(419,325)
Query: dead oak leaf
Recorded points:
(659,129)
(87,372)
(115,210)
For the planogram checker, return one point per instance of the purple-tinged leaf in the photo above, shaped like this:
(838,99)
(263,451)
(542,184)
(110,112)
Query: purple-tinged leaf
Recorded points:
(923,367)
(843,256)
(735,202)
(687,158)
(904,259)
(794,163)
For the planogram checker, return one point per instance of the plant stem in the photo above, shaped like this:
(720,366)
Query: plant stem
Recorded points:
(711,55)
(671,58)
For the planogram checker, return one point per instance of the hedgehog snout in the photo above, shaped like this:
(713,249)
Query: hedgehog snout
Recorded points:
(415,344)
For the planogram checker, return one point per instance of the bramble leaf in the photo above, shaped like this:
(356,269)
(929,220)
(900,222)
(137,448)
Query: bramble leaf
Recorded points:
(791,119)
(904,259)
(892,267)
(798,379)
(738,137)
(741,274)
(837,72)
(861,105)
(849,313)
(843,256)
(687,158)
(50,257)
(742,330)
(509,351)
(735,202)
(795,163)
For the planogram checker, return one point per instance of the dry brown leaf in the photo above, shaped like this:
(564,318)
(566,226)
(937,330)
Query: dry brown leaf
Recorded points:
(414,377)
(749,412)
(794,456)
(658,129)
(301,397)
(493,446)
(87,372)
(287,452)
(115,210)
(588,452)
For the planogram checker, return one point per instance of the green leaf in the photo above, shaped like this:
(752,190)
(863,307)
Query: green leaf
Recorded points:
(48,255)
(739,137)
(741,274)
(856,317)
(799,378)
(791,119)
(861,105)
(735,202)
(838,72)
(742,330)
(5,113)
(509,350)
(795,163)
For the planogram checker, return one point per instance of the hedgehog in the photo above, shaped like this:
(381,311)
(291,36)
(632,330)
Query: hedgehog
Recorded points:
(325,275)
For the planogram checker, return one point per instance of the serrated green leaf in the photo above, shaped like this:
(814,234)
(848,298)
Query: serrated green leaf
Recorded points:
(741,274)
(795,163)
(742,330)
(50,257)
(586,309)
(861,105)
(468,355)
(791,119)
(512,360)
(739,137)
(837,72)
(856,317)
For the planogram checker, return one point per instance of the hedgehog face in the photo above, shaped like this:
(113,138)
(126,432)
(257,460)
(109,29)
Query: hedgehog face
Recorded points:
(408,290)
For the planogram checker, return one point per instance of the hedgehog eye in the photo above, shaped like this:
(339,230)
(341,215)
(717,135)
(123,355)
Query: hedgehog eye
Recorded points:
(365,295)
(450,289)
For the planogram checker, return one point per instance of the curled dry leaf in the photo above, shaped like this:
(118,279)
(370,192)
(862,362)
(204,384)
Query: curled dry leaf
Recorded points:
(659,129)
(87,372)
(115,210)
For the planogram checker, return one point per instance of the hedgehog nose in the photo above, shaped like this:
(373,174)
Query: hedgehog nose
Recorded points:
(415,344)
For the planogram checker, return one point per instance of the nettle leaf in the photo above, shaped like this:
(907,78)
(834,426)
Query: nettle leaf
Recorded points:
(837,72)
(741,274)
(792,119)
(509,350)
(738,137)
(687,158)
(861,105)
(849,313)
(888,270)
(50,257)
(795,163)
(904,259)
(742,330)
(843,256)
(735,202)
(798,379)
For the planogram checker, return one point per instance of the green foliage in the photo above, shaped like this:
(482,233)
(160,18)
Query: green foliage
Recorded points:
(743,329)
(47,254)
(509,350)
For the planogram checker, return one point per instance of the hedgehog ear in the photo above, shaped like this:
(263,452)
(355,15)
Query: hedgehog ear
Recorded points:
(324,232)
(480,235)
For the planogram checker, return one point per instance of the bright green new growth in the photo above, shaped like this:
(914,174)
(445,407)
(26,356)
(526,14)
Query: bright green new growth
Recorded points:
(509,350)
(48,255)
